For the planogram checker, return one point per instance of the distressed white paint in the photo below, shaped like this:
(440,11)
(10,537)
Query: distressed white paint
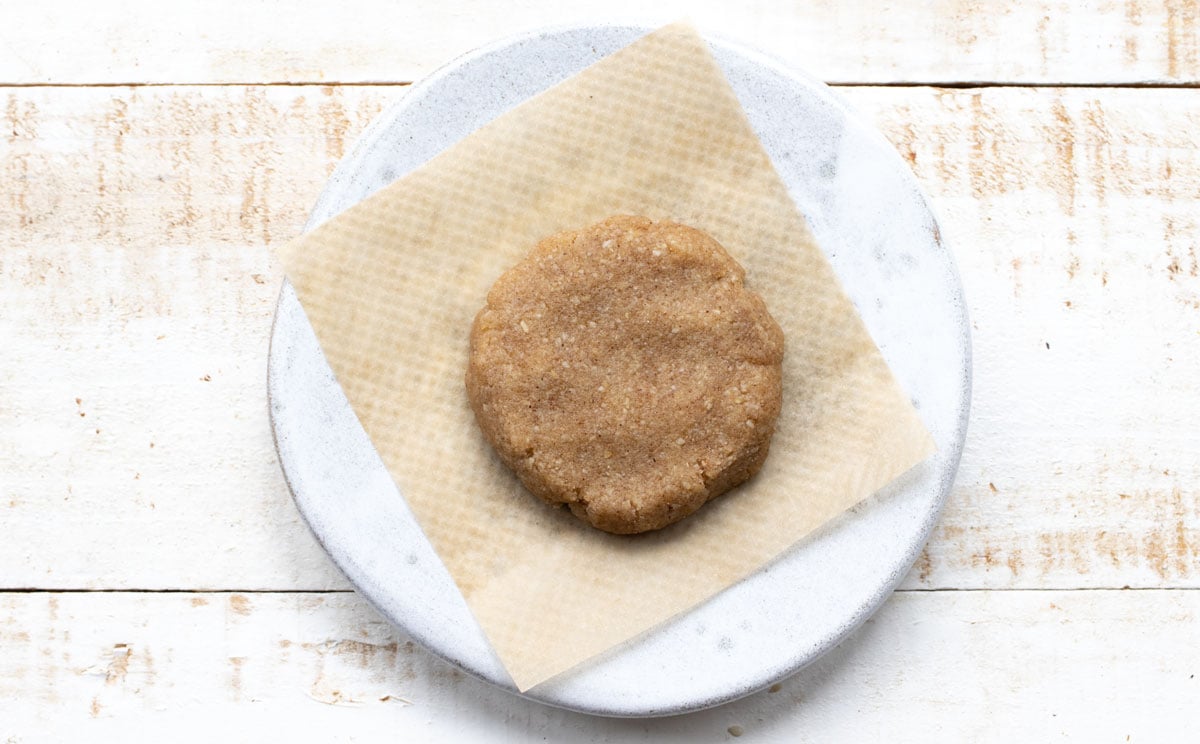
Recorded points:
(180,166)
(946,666)
(141,41)
(135,448)
(1074,220)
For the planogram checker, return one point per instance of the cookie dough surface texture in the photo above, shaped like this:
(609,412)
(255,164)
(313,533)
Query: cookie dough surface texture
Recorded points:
(625,370)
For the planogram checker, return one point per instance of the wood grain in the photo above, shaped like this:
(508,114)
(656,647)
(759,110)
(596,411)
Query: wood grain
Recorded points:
(142,167)
(1072,214)
(139,292)
(1027,666)
(138,287)
(1038,41)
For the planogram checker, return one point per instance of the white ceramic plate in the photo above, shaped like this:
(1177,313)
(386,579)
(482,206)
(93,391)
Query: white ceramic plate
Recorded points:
(870,216)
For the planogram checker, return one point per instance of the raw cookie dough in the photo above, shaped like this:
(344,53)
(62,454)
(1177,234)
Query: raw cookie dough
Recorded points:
(625,370)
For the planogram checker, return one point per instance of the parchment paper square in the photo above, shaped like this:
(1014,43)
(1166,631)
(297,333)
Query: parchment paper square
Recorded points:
(392,284)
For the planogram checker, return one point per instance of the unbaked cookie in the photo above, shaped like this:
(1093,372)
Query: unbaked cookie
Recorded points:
(625,370)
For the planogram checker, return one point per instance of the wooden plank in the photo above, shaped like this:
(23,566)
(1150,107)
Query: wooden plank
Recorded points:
(1072,215)
(931,666)
(138,167)
(131,215)
(135,448)
(138,298)
(1040,41)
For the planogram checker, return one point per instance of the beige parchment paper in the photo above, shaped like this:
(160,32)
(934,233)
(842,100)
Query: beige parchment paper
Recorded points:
(391,287)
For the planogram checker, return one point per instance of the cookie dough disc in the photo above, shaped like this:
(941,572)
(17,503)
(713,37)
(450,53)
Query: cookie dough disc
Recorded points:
(625,370)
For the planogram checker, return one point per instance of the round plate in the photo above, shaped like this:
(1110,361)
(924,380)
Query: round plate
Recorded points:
(870,216)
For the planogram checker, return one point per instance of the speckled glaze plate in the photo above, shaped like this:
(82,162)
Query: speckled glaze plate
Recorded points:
(870,216)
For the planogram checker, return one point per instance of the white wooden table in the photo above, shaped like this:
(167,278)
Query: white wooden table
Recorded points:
(156,580)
